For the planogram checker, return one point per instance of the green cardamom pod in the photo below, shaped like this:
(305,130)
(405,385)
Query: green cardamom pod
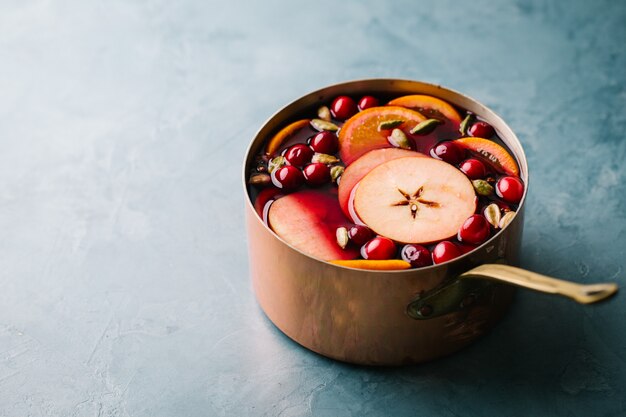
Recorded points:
(399,139)
(465,124)
(390,124)
(482,187)
(336,172)
(319,124)
(276,163)
(425,127)
(324,158)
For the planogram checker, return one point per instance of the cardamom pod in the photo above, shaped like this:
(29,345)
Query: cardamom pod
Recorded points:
(320,124)
(425,127)
(259,179)
(275,163)
(390,124)
(482,187)
(324,113)
(336,172)
(399,139)
(493,215)
(342,237)
(506,219)
(465,124)
(324,158)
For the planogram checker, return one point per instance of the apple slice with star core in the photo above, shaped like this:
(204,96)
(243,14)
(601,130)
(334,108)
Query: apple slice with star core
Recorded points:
(415,200)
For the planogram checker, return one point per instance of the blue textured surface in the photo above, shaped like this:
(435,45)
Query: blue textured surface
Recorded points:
(123,271)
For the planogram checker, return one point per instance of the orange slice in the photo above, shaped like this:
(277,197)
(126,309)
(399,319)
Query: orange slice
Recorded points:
(424,104)
(383,265)
(360,134)
(493,153)
(286,132)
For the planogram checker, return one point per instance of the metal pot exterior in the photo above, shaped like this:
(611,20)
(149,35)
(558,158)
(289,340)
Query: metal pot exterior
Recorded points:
(360,316)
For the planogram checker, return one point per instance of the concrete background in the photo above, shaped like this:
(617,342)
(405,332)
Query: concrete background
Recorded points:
(124,286)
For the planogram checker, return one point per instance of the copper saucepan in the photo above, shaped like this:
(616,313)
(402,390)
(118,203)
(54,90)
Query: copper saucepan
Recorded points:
(392,317)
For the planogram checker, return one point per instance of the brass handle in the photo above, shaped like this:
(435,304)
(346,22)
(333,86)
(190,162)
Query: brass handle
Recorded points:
(584,294)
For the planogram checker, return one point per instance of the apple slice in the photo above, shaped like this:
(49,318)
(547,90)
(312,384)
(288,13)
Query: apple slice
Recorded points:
(428,105)
(415,200)
(308,221)
(362,133)
(492,153)
(264,197)
(361,167)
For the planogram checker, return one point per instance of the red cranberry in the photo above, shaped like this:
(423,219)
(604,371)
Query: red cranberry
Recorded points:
(324,142)
(360,234)
(445,251)
(316,174)
(343,107)
(379,248)
(417,255)
(481,130)
(448,152)
(298,155)
(473,168)
(475,230)
(367,101)
(510,189)
(287,178)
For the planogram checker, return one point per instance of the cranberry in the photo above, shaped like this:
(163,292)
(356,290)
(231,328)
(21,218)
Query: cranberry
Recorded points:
(473,168)
(417,255)
(445,251)
(510,189)
(475,230)
(360,234)
(298,155)
(481,130)
(448,152)
(379,248)
(324,142)
(343,107)
(316,174)
(367,101)
(287,178)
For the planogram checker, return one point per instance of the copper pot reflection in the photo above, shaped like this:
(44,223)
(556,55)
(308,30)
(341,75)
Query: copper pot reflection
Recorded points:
(390,317)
